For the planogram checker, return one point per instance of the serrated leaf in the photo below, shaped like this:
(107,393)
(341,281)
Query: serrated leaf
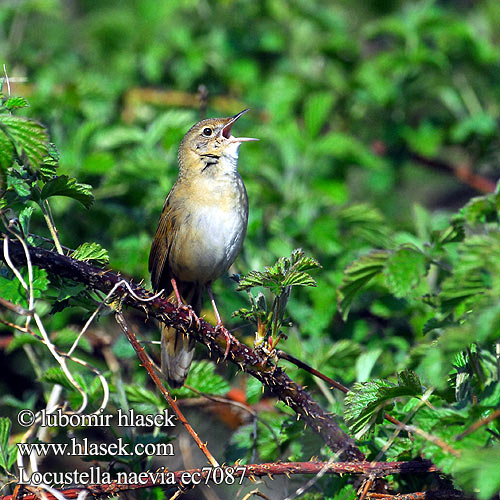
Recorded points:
(357,275)
(410,380)
(286,272)
(49,164)
(24,218)
(12,290)
(91,251)
(15,103)
(68,186)
(29,137)
(6,151)
(138,394)
(299,279)
(403,271)
(202,377)
(366,222)
(19,185)
(55,375)
(365,403)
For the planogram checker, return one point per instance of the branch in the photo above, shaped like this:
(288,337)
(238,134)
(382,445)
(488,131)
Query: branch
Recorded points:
(270,375)
(462,172)
(146,362)
(375,469)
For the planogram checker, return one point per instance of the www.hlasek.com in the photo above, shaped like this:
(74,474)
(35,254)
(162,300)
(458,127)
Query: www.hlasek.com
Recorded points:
(95,475)
(86,448)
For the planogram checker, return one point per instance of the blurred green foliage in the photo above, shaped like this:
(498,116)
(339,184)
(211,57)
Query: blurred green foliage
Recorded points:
(349,100)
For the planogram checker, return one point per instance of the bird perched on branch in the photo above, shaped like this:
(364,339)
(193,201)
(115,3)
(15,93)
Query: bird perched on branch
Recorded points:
(200,232)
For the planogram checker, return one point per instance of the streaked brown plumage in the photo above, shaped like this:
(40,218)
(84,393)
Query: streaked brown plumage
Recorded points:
(201,228)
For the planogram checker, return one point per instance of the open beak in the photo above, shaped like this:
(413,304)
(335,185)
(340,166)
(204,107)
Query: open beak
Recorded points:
(226,130)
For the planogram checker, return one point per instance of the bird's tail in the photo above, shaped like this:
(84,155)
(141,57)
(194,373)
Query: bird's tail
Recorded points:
(177,347)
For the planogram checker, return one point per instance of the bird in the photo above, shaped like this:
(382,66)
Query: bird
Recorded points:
(200,232)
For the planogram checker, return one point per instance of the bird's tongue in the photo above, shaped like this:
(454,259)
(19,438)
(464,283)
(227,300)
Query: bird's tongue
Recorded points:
(226,130)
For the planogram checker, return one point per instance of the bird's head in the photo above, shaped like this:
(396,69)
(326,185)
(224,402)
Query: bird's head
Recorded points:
(210,141)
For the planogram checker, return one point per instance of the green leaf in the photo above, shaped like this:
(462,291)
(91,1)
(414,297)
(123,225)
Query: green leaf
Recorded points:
(357,275)
(202,377)
(68,289)
(425,140)
(480,124)
(365,222)
(55,375)
(453,233)
(477,471)
(91,251)
(67,186)
(6,151)
(299,279)
(288,271)
(404,269)
(12,290)
(254,390)
(481,209)
(15,103)
(138,394)
(19,185)
(365,403)
(5,425)
(316,111)
(20,340)
(24,218)
(29,137)
(49,164)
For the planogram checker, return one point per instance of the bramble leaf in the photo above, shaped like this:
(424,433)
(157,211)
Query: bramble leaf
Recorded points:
(91,251)
(29,137)
(365,403)
(67,186)
(357,275)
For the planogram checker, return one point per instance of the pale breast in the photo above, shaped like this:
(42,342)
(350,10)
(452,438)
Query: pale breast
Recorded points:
(211,233)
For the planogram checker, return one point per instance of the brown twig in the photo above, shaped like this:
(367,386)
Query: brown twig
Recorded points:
(14,307)
(136,98)
(431,438)
(478,424)
(375,469)
(270,375)
(146,362)
(363,491)
(462,172)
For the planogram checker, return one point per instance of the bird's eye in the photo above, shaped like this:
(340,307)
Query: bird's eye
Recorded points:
(207,131)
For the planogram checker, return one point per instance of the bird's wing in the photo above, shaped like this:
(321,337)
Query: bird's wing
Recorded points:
(158,256)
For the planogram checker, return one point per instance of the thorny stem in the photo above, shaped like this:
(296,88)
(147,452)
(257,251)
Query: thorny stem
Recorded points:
(146,362)
(270,375)
(374,469)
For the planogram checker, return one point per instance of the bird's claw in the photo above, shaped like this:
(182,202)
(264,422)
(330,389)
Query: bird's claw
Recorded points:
(221,329)
(190,314)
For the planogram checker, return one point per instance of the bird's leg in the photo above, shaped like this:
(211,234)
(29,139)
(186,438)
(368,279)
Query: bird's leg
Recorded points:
(181,305)
(220,326)
(176,291)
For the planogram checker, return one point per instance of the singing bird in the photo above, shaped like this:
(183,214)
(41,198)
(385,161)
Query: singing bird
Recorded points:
(200,232)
